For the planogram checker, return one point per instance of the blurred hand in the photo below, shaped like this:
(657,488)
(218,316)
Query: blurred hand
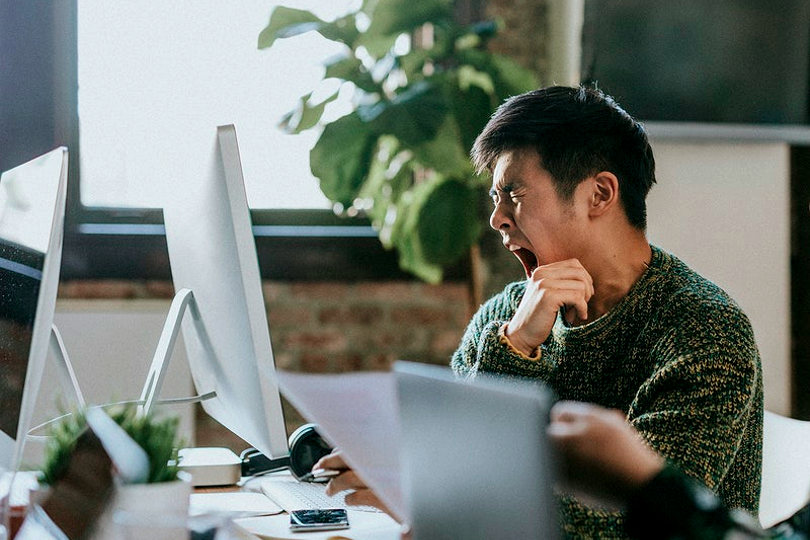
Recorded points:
(603,459)
(361,494)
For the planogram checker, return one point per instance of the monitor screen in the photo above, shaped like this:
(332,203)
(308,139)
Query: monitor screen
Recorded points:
(32,206)
(20,279)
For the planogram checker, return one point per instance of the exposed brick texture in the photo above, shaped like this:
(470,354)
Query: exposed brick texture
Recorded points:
(331,327)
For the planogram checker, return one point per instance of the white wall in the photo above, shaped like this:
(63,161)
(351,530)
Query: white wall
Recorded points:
(723,208)
(110,344)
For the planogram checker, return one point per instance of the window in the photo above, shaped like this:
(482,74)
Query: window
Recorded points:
(133,89)
(155,78)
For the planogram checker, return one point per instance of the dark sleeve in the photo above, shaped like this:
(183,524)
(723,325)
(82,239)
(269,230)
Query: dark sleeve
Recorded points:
(672,505)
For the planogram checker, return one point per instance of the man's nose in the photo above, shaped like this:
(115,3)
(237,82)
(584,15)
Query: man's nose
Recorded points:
(500,218)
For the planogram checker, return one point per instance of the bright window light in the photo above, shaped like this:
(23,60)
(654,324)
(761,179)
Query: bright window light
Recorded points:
(156,78)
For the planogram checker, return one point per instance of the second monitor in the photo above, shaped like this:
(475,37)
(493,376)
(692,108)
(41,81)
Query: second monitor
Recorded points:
(215,271)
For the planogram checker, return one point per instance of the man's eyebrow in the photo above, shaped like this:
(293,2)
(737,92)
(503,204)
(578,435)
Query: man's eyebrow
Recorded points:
(506,188)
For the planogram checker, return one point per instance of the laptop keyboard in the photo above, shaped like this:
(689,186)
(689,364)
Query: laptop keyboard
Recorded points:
(290,494)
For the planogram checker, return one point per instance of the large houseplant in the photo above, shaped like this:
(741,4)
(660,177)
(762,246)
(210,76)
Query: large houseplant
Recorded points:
(423,88)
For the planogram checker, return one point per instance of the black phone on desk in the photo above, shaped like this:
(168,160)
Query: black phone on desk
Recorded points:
(321,519)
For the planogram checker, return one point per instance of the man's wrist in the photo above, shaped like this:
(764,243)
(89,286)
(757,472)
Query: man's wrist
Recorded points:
(517,345)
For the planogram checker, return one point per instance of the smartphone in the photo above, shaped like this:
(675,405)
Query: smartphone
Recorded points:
(325,519)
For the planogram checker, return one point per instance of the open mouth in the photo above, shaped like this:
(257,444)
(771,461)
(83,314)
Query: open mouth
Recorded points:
(527,258)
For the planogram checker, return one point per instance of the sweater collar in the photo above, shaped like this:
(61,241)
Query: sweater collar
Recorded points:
(659,262)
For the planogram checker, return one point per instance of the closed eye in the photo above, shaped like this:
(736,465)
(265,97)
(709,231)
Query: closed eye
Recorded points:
(496,196)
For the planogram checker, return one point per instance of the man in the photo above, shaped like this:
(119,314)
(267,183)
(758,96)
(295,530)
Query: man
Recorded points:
(603,317)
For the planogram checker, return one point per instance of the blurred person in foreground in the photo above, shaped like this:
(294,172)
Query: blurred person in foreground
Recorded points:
(604,461)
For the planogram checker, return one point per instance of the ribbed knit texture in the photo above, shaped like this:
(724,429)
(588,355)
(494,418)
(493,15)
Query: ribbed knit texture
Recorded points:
(676,354)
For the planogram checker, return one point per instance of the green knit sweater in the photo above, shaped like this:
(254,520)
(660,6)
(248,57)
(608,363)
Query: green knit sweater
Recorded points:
(676,354)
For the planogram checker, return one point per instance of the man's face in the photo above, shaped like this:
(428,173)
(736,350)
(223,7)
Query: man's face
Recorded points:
(536,225)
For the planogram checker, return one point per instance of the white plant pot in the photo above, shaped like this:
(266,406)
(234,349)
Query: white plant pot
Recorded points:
(154,511)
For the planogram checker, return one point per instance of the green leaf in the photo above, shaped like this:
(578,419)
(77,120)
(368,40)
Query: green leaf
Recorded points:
(471,108)
(287,22)
(413,116)
(405,239)
(343,29)
(438,224)
(349,68)
(413,62)
(512,78)
(396,16)
(484,29)
(306,115)
(445,152)
(469,76)
(411,260)
(388,180)
(508,77)
(342,157)
(376,45)
(447,223)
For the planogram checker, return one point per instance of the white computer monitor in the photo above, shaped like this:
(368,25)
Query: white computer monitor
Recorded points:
(213,254)
(32,213)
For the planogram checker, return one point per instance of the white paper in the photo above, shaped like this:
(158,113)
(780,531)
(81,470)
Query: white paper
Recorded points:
(358,413)
(244,503)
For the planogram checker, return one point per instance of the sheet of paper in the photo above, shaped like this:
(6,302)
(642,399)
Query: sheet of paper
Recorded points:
(244,503)
(358,413)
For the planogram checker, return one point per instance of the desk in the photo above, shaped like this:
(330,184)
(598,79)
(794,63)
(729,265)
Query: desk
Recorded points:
(363,525)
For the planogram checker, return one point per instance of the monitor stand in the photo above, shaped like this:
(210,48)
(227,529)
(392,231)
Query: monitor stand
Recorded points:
(64,368)
(183,300)
(67,380)
(208,466)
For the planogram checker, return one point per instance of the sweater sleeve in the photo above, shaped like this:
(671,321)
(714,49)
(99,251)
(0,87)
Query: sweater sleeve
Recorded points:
(704,397)
(481,349)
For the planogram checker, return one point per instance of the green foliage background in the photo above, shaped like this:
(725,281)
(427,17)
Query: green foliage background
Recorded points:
(401,156)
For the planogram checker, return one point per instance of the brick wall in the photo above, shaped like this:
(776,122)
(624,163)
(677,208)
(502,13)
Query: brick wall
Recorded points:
(333,327)
(330,327)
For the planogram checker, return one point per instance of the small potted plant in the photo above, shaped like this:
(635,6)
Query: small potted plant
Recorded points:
(156,508)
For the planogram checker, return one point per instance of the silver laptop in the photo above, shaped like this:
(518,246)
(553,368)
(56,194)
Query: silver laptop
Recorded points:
(475,459)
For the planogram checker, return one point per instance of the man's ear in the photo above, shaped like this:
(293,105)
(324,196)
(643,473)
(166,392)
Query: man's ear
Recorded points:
(604,193)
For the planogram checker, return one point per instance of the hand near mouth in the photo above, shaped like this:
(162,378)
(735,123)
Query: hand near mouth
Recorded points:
(551,287)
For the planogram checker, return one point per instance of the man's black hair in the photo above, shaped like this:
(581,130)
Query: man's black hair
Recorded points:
(577,132)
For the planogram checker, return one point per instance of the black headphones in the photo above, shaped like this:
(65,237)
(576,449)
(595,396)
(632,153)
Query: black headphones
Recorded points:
(306,448)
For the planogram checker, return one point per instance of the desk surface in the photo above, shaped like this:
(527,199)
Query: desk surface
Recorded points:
(363,525)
